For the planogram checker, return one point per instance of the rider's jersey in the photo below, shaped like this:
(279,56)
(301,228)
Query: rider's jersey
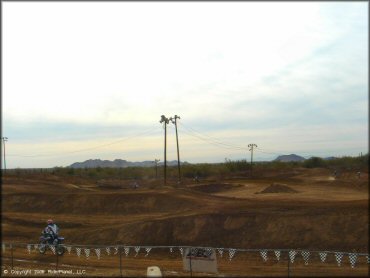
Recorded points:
(52,229)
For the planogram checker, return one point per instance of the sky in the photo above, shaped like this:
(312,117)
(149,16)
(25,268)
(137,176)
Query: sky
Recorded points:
(90,80)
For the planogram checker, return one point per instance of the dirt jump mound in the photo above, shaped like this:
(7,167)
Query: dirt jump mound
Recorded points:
(214,187)
(277,188)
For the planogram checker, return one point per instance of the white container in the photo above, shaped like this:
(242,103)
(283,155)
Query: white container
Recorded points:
(153,271)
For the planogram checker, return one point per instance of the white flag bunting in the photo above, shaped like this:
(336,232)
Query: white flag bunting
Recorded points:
(78,251)
(292,254)
(220,251)
(107,249)
(323,256)
(87,253)
(147,251)
(127,250)
(338,257)
(264,254)
(352,259)
(29,246)
(97,251)
(231,253)
(69,249)
(277,254)
(137,249)
(305,255)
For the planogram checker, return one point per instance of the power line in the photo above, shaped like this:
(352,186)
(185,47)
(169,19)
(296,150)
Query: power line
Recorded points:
(149,131)
(212,141)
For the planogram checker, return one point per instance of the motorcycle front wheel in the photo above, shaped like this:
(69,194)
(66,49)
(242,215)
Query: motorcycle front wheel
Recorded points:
(42,248)
(60,250)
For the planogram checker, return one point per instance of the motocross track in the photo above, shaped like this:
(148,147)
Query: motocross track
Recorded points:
(300,208)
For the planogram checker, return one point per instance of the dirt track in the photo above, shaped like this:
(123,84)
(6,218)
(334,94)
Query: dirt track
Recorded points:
(324,213)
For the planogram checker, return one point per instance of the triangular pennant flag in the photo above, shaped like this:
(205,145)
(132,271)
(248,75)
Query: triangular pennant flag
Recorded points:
(52,247)
(171,249)
(352,259)
(323,256)
(264,254)
(181,251)
(231,253)
(116,250)
(137,249)
(36,246)
(305,255)
(220,251)
(368,259)
(147,251)
(127,250)
(107,249)
(208,252)
(339,256)
(78,251)
(277,254)
(97,251)
(29,246)
(87,253)
(69,249)
(292,254)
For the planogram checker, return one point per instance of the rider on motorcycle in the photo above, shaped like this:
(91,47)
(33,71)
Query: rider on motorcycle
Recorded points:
(51,232)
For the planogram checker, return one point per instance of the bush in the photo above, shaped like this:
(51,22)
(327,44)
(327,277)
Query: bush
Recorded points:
(314,162)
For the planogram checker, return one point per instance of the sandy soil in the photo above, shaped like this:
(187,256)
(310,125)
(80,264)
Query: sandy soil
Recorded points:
(325,213)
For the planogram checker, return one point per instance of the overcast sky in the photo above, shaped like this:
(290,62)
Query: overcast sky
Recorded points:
(90,80)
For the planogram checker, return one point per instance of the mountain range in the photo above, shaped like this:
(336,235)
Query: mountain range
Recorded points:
(289,158)
(119,163)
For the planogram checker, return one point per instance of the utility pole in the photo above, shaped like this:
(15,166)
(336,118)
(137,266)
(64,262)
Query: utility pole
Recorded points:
(174,121)
(251,149)
(156,167)
(165,121)
(4,140)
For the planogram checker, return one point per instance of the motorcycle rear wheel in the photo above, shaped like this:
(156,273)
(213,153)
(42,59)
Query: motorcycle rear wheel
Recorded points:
(42,248)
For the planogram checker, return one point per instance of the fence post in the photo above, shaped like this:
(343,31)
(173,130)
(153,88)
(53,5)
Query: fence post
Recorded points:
(191,269)
(56,252)
(11,252)
(288,265)
(120,261)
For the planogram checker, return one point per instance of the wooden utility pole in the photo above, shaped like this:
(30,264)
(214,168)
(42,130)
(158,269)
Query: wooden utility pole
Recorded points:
(165,121)
(174,121)
(251,149)
(4,139)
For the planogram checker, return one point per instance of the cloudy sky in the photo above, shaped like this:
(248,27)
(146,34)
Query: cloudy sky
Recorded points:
(90,80)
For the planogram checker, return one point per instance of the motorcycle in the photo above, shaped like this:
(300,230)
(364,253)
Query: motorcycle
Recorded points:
(45,244)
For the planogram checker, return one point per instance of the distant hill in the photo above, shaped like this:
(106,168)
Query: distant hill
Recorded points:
(118,163)
(330,158)
(289,158)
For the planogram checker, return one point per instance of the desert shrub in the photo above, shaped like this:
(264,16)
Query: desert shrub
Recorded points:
(314,162)
(236,166)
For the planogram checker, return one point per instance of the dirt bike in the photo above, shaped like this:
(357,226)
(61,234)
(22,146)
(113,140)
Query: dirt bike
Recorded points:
(57,244)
